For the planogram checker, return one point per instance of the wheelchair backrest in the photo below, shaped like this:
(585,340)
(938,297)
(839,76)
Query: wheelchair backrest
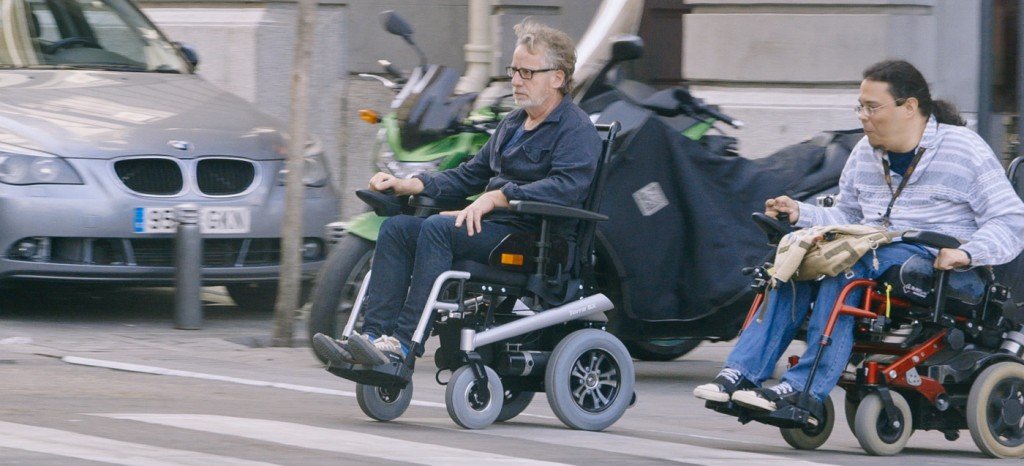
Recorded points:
(1011,274)
(587,231)
(1016,174)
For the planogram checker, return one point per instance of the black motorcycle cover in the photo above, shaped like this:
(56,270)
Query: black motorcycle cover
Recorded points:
(680,227)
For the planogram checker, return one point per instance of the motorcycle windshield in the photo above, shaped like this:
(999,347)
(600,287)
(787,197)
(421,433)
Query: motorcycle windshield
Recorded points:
(425,109)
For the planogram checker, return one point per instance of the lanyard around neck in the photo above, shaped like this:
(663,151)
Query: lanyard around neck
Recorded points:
(899,189)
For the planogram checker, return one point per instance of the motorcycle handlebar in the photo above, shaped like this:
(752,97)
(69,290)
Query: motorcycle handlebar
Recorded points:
(390,69)
(723,118)
(686,99)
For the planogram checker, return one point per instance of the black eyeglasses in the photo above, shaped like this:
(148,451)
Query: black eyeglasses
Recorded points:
(525,73)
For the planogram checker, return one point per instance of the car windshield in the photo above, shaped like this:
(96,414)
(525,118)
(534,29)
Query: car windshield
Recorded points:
(86,34)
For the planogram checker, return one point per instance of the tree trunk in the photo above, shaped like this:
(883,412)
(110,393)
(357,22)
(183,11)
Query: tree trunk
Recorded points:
(291,229)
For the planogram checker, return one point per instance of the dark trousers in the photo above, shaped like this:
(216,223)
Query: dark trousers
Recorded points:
(411,253)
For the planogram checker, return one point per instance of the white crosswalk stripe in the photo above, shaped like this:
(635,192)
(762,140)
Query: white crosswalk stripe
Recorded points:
(88,447)
(627,445)
(333,440)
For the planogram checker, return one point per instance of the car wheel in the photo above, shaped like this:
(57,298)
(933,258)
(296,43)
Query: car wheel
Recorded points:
(261,297)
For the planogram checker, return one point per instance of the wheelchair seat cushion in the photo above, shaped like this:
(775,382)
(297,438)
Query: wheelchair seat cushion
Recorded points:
(913,281)
(484,273)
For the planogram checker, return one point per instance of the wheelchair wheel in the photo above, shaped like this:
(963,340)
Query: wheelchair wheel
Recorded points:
(514,403)
(995,410)
(470,405)
(383,403)
(589,380)
(809,438)
(877,434)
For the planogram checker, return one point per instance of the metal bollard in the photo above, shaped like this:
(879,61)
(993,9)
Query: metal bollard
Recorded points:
(188,262)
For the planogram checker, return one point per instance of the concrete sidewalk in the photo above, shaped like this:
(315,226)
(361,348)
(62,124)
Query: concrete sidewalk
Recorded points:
(230,344)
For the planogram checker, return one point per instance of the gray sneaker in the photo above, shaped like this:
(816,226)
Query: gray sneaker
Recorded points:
(389,346)
(333,351)
(366,352)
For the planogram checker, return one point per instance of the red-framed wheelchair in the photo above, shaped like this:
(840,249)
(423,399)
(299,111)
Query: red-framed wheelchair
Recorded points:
(934,350)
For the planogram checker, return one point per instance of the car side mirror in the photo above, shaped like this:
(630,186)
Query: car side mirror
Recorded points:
(189,54)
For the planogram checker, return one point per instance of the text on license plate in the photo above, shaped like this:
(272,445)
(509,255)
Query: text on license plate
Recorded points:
(212,220)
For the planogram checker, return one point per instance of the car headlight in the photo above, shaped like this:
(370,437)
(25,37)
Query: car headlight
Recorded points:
(23,166)
(314,168)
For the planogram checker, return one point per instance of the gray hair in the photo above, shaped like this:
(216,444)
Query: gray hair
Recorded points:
(559,51)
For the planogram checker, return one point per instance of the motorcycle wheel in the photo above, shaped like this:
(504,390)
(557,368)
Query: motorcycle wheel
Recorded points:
(338,284)
(261,297)
(654,350)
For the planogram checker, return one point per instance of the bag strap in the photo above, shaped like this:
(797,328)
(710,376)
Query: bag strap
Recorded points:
(899,190)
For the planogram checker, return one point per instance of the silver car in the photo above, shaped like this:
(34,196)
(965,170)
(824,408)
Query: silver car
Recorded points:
(104,129)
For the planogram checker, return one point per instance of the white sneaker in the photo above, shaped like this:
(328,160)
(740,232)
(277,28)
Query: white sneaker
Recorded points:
(764,398)
(719,390)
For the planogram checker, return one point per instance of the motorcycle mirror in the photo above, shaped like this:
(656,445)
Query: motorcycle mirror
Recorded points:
(396,25)
(627,48)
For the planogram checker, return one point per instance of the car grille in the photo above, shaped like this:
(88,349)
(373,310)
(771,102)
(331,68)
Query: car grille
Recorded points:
(154,176)
(162,177)
(159,252)
(223,177)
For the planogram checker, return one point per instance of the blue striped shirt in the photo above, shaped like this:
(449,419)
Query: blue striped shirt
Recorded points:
(958,188)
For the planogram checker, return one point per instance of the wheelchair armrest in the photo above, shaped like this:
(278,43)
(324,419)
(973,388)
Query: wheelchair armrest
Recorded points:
(931,238)
(383,204)
(773,228)
(440,204)
(554,210)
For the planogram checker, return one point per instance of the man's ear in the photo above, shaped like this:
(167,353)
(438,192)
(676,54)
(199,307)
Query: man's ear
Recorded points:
(912,105)
(559,79)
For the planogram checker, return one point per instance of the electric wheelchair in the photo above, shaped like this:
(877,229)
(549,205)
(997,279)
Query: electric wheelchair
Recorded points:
(530,321)
(933,350)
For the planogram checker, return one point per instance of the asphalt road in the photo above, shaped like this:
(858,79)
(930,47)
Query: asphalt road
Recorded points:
(219,396)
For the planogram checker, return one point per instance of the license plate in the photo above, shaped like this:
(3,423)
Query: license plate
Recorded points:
(212,220)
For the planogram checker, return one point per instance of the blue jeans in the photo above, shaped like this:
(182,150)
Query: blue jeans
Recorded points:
(762,343)
(411,253)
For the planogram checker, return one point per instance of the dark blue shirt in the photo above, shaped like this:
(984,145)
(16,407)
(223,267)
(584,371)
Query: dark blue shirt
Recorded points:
(900,161)
(554,162)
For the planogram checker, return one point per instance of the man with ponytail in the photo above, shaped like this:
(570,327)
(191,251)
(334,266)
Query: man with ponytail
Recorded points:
(917,168)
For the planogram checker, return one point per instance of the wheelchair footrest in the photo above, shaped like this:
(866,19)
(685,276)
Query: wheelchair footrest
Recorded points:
(731,409)
(394,373)
(786,417)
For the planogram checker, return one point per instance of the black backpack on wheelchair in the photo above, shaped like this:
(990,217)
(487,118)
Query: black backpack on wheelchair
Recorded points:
(531,320)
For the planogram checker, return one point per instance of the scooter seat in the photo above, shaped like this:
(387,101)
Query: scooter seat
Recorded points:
(484,273)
